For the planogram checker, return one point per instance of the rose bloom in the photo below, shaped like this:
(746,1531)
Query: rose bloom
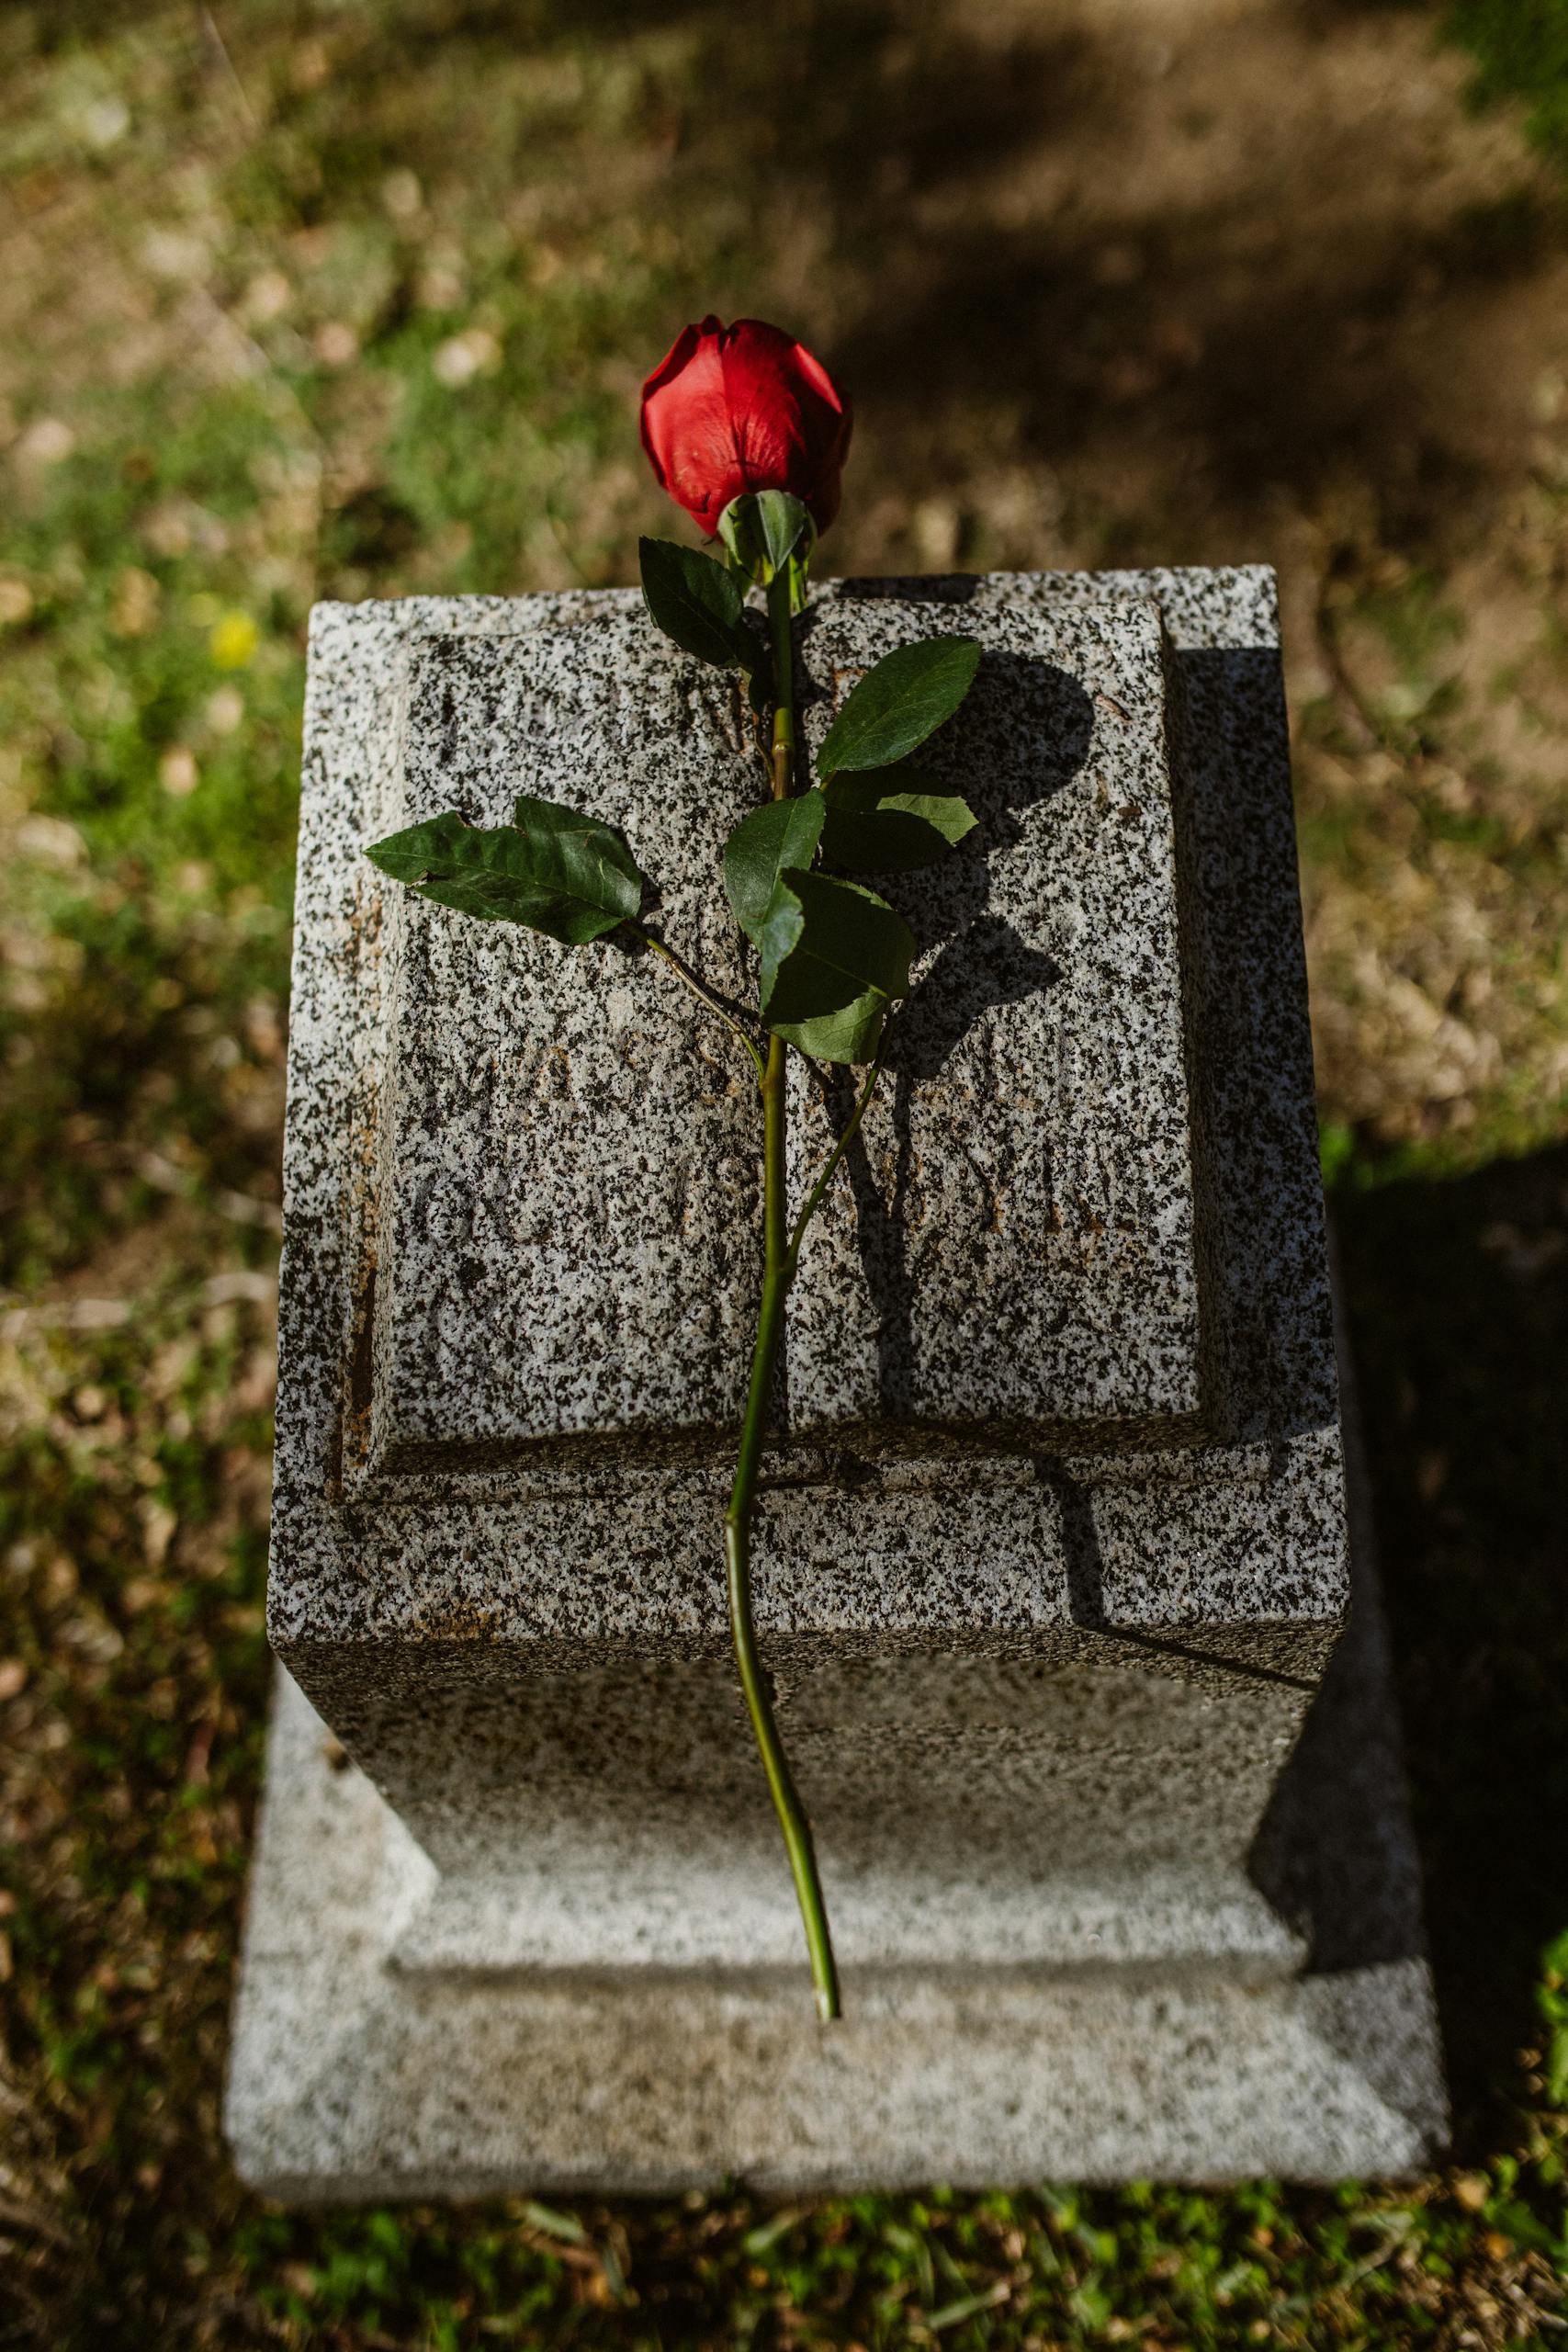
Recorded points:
(740,408)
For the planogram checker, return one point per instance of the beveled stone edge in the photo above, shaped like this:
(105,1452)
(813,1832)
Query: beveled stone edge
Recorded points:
(317,1576)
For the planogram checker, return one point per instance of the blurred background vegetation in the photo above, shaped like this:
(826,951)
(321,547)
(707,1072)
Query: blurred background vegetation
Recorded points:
(353,297)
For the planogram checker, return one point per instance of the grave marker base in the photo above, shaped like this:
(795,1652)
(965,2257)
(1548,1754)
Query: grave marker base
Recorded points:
(354,2078)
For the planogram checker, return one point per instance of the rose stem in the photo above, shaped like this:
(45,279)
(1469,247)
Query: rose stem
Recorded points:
(703,994)
(779,1259)
(779,1256)
(784,682)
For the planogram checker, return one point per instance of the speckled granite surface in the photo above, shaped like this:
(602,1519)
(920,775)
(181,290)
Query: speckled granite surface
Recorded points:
(1041,1657)
(569,1233)
(392,2043)
(1016,1249)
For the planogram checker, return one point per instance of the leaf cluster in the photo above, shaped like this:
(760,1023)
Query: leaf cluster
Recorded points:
(833,955)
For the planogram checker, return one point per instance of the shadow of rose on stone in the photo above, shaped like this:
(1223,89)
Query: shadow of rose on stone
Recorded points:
(1021,736)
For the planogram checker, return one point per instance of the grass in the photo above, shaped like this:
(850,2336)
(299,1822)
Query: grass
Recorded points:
(304,298)
(1522,49)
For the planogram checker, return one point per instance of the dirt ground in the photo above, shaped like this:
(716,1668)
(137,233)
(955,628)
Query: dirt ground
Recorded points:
(354,297)
(1167,279)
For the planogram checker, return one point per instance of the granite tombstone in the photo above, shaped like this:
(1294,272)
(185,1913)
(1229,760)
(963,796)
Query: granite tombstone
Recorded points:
(1055,1567)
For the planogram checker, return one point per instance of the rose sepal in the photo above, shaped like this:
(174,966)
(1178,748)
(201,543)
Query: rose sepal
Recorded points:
(766,531)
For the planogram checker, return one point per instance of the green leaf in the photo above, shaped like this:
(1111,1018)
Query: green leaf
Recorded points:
(909,695)
(697,601)
(764,528)
(781,833)
(553,870)
(834,956)
(879,821)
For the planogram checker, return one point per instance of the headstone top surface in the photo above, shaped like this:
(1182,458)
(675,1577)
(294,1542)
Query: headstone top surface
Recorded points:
(569,1213)
(540,1544)
(1015,1251)
(569,1222)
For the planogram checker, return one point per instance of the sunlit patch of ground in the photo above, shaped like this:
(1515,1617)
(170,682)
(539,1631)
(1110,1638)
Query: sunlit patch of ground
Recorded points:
(354,299)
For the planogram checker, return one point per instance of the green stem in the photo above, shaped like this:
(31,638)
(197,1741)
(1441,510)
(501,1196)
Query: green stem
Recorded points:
(704,995)
(783,684)
(738,1521)
(779,1256)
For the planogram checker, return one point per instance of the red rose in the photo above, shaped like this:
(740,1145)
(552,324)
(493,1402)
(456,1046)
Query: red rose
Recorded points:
(741,408)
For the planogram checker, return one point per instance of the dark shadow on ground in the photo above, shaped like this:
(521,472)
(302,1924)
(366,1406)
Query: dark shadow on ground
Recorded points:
(1456,1295)
(1243,341)
(1245,344)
